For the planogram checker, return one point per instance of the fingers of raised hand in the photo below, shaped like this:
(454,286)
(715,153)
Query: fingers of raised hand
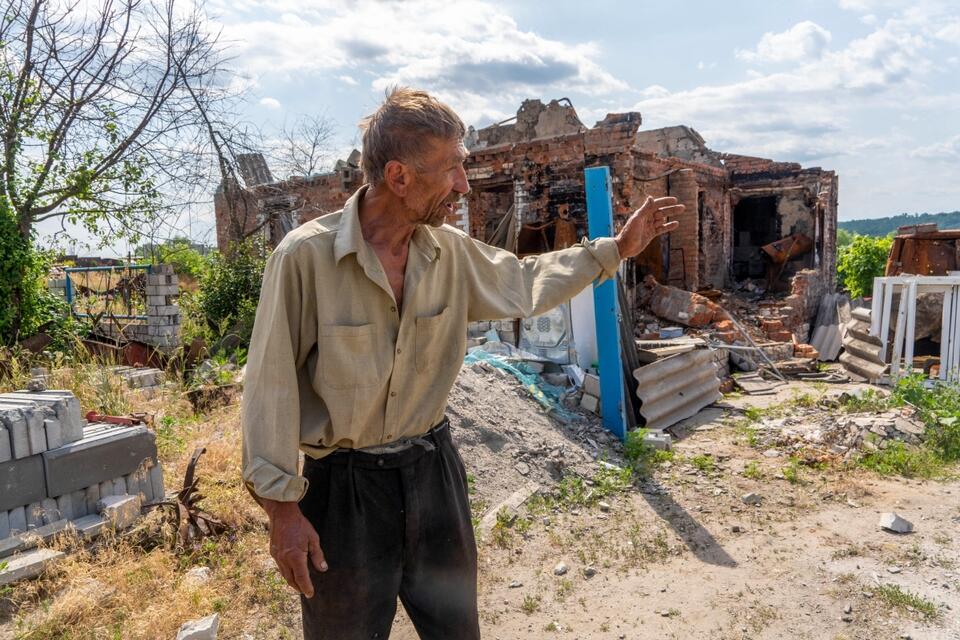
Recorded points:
(293,567)
(316,554)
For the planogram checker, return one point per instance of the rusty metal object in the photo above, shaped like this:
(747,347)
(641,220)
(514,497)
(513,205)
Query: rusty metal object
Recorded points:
(191,522)
(787,248)
(127,420)
(923,251)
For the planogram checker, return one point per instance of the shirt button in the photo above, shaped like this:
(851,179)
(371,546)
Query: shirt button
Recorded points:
(393,309)
(379,462)
(393,394)
(398,351)
(389,436)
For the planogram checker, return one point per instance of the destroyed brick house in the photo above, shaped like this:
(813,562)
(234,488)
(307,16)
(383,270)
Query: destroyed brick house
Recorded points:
(527,194)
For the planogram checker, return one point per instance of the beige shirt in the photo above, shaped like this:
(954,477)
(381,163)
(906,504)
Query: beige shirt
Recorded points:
(333,363)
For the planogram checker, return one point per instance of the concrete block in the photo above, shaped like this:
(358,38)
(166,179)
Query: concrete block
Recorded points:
(4,524)
(893,522)
(119,486)
(16,425)
(91,496)
(658,440)
(28,565)
(107,454)
(53,431)
(34,515)
(5,453)
(49,511)
(105,489)
(202,629)
(163,290)
(18,520)
(31,539)
(120,511)
(136,484)
(156,483)
(590,403)
(591,385)
(22,482)
(61,402)
(156,279)
(65,506)
(163,269)
(90,526)
(37,436)
(78,500)
(156,301)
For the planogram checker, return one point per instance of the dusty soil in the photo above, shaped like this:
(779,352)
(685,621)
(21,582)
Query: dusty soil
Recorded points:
(679,555)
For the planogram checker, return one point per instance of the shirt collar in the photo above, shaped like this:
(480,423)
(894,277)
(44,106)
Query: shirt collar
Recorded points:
(350,237)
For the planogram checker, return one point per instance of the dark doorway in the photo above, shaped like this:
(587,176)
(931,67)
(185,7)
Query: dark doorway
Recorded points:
(755,223)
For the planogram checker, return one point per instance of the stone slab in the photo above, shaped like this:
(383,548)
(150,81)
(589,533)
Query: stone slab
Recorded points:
(18,520)
(16,425)
(91,498)
(513,502)
(32,538)
(63,403)
(22,482)
(90,526)
(120,511)
(105,455)
(34,512)
(53,431)
(4,524)
(49,510)
(156,483)
(5,452)
(28,565)
(202,629)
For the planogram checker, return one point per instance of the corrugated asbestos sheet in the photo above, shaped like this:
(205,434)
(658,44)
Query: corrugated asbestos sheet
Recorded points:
(677,387)
(862,351)
(827,332)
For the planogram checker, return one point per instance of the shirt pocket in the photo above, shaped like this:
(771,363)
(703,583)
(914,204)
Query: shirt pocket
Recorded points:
(434,346)
(348,356)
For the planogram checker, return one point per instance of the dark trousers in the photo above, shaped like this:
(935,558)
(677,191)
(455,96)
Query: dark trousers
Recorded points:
(393,525)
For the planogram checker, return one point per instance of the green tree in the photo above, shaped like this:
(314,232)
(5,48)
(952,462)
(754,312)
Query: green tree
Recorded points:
(860,262)
(844,238)
(230,290)
(97,122)
(187,258)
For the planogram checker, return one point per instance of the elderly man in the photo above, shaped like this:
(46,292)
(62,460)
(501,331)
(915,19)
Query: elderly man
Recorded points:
(359,335)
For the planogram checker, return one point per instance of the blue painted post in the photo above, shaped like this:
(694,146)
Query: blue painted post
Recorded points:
(600,225)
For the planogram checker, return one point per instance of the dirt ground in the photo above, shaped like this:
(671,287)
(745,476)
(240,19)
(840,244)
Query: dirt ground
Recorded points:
(677,555)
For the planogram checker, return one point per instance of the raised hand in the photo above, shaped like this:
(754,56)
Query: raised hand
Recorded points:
(646,223)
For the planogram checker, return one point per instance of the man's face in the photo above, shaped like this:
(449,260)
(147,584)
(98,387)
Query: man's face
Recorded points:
(439,181)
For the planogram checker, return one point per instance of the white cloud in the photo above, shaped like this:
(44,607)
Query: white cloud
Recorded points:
(946,150)
(347,80)
(808,111)
(270,103)
(950,32)
(465,47)
(803,41)
(706,66)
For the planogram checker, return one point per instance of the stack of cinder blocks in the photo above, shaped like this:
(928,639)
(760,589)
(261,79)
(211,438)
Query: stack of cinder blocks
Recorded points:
(54,470)
(504,328)
(163,313)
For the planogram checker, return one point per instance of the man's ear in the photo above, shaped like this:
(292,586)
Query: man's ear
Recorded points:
(397,176)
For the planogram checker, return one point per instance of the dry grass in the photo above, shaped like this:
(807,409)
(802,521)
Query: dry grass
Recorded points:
(132,586)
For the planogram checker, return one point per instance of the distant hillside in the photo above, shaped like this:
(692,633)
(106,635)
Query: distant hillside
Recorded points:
(883,226)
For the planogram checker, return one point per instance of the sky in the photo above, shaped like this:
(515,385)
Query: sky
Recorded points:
(868,88)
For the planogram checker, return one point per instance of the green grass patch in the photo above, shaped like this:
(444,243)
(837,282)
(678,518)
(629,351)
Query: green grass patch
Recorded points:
(901,459)
(897,598)
(704,462)
(753,471)
(791,472)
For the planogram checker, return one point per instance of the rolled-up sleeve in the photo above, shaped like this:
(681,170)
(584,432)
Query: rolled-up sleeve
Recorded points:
(504,286)
(283,335)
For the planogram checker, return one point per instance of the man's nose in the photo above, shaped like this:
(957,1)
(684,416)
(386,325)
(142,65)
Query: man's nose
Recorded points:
(461,185)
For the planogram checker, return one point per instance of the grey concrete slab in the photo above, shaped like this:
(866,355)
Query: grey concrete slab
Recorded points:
(18,520)
(91,498)
(4,524)
(5,453)
(80,464)
(36,435)
(106,489)
(28,565)
(121,511)
(22,482)
(79,502)
(65,506)
(32,538)
(16,425)
(34,515)
(119,486)
(90,526)
(63,403)
(156,483)
(54,432)
(50,511)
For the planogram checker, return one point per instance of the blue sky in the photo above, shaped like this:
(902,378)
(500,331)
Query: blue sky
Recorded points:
(870,88)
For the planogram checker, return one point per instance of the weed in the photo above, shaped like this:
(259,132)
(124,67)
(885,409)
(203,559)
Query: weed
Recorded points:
(747,431)
(704,462)
(170,440)
(531,604)
(868,401)
(753,471)
(753,414)
(471,484)
(552,626)
(564,588)
(804,400)
(849,551)
(898,458)
(896,597)
(791,472)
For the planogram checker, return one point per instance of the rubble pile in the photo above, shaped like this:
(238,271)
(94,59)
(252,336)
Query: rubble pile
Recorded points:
(844,435)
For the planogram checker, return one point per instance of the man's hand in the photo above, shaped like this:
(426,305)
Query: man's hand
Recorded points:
(646,223)
(292,540)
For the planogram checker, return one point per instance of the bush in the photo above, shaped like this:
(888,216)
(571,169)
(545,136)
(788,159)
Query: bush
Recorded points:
(229,292)
(22,272)
(187,261)
(860,262)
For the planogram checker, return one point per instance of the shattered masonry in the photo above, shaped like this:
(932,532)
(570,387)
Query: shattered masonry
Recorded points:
(532,169)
